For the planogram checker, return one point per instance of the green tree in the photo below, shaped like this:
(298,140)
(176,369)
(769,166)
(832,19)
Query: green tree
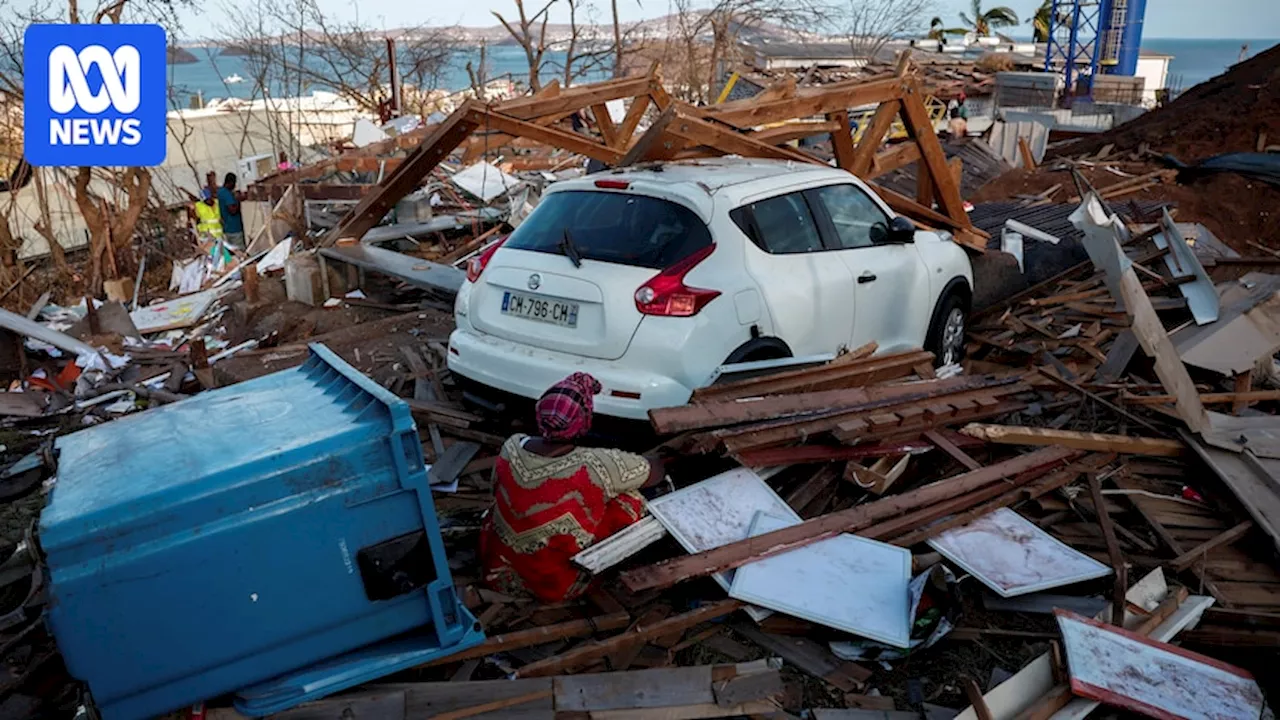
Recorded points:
(983,21)
(938,30)
(1040,22)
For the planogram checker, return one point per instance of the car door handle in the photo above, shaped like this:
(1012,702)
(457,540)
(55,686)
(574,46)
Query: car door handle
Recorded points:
(866,278)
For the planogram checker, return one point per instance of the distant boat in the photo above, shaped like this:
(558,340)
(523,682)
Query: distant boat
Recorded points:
(232,79)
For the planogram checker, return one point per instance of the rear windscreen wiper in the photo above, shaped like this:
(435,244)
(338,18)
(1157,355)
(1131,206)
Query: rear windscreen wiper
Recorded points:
(570,250)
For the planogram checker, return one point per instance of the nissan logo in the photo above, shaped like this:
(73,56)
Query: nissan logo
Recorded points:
(535,281)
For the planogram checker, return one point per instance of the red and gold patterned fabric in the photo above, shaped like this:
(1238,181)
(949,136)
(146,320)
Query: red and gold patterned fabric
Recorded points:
(548,509)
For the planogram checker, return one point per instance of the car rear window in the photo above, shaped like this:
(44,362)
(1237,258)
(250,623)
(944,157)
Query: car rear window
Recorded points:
(613,227)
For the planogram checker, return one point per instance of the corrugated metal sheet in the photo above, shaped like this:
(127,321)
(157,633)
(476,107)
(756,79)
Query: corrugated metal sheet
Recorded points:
(981,166)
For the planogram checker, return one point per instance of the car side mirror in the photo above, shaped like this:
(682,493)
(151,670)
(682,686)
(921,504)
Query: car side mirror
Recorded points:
(901,230)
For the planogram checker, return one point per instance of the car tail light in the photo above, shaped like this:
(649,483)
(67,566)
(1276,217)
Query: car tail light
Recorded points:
(613,184)
(476,265)
(666,293)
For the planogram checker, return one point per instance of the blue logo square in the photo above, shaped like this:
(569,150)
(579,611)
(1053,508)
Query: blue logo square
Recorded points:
(94,95)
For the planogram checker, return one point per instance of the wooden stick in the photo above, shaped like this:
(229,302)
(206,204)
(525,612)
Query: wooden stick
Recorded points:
(1188,558)
(1098,442)
(495,705)
(537,636)
(1113,550)
(591,652)
(978,702)
(1253,396)
(945,445)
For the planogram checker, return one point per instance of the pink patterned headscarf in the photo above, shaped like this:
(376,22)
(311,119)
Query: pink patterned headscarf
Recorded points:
(564,410)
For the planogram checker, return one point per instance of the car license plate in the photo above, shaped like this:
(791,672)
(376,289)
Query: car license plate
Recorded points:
(541,309)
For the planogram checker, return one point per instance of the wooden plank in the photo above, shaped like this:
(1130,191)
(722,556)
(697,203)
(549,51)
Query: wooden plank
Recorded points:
(1113,549)
(810,657)
(1185,560)
(591,652)
(635,113)
(795,131)
(869,145)
(659,687)
(728,141)
(862,372)
(1229,398)
(551,136)
(807,491)
(974,693)
(1098,442)
(670,572)
(493,705)
(604,122)
(933,161)
(898,156)
(745,688)
(1028,160)
(830,98)
(429,700)
(568,100)
(945,445)
(537,636)
(842,138)
(405,178)
(378,703)
(654,138)
(714,412)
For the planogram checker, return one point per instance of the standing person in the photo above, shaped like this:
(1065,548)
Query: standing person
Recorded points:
(284,162)
(208,219)
(958,126)
(554,499)
(229,209)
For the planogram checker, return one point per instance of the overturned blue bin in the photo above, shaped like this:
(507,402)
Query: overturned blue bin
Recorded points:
(275,538)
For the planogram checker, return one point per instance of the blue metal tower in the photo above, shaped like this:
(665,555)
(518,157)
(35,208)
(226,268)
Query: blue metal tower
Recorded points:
(1091,36)
(1074,29)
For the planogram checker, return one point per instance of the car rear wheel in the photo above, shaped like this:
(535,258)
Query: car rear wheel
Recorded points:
(946,337)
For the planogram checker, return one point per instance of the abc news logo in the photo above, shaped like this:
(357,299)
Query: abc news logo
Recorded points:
(69,89)
(95,95)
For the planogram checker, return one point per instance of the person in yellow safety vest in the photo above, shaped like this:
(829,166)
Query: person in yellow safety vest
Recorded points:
(208,218)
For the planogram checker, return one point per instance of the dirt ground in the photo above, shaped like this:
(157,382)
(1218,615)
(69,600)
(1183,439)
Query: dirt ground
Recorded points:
(1234,208)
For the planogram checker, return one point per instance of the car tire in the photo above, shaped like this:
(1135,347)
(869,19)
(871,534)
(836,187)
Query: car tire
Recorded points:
(946,335)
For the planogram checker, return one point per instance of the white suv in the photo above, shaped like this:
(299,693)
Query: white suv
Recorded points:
(651,277)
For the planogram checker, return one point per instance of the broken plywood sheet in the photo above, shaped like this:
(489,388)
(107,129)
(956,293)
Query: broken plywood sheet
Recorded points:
(1012,556)
(846,582)
(718,511)
(1127,670)
(174,314)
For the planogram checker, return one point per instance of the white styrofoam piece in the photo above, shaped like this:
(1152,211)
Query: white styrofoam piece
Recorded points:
(484,180)
(845,582)
(620,545)
(1127,670)
(718,511)
(1013,556)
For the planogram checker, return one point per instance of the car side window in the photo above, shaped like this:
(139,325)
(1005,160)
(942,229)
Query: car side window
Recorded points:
(782,225)
(858,221)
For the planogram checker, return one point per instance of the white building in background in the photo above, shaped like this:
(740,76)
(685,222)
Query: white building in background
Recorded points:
(1153,68)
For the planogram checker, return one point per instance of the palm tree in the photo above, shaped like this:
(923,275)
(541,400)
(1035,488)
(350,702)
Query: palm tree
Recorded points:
(939,31)
(982,22)
(1040,22)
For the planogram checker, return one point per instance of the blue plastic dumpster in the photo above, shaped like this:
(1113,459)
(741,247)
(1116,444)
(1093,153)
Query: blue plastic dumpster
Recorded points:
(275,538)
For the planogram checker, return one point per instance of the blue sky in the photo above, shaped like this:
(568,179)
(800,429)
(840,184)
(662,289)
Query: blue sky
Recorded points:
(1164,18)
